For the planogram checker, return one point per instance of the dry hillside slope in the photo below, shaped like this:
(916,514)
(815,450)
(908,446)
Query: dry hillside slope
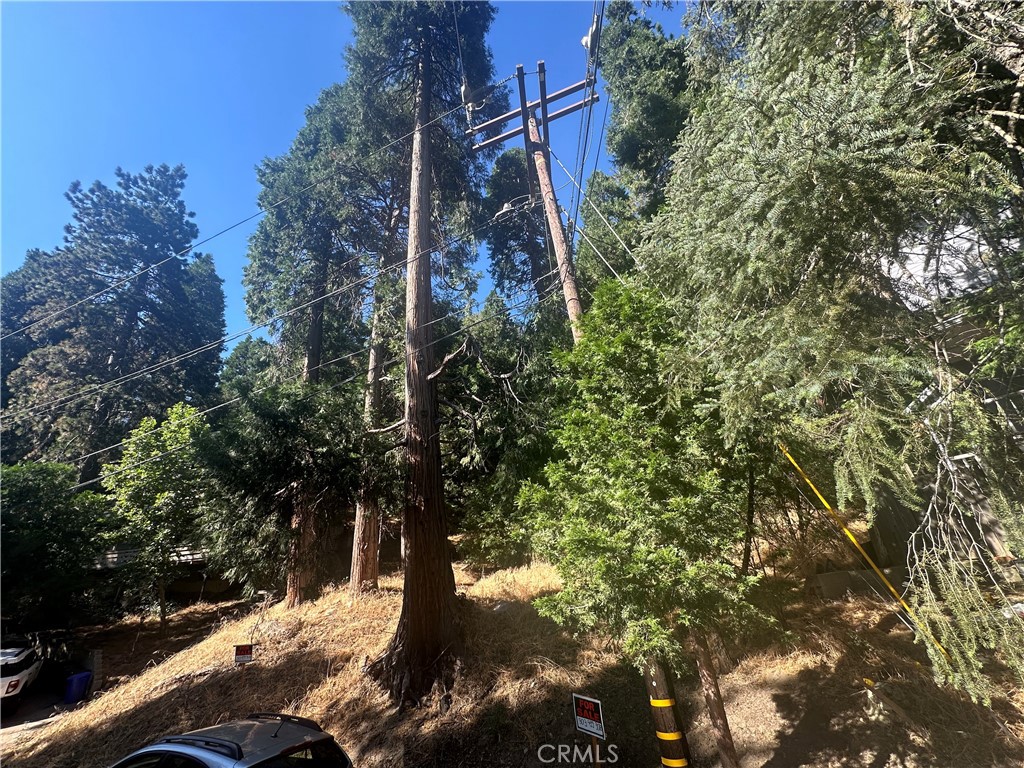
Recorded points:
(801,704)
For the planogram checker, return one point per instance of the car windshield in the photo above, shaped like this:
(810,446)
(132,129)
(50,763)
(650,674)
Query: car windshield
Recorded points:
(322,754)
(11,668)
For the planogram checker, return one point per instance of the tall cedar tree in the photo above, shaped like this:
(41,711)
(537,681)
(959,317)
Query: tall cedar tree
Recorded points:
(335,215)
(647,73)
(64,395)
(420,54)
(841,199)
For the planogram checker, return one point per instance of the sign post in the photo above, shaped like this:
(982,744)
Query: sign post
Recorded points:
(243,653)
(589,720)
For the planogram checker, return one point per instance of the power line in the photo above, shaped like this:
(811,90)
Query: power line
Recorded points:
(600,138)
(608,224)
(583,138)
(96,388)
(289,378)
(184,251)
(380,366)
(601,256)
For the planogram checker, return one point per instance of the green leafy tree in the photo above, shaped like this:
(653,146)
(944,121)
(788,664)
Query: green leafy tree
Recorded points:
(51,536)
(74,392)
(160,490)
(284,460)
(252,364)
(831,212)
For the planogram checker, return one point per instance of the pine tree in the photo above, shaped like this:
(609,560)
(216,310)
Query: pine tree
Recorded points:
(832,210)
(154,302)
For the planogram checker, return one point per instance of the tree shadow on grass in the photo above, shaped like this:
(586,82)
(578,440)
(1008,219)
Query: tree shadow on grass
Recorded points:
(514,696)
(830,718)
(182,703)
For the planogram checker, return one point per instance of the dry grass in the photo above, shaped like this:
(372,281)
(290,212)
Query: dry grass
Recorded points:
(802,703)
(806,703)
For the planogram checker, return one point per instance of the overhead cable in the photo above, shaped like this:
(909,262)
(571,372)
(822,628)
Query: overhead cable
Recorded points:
(184,251)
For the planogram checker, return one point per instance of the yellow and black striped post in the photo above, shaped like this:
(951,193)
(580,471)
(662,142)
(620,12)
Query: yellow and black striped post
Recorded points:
(675,750)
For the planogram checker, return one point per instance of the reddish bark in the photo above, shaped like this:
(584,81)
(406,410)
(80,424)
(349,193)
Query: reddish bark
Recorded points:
(428,634)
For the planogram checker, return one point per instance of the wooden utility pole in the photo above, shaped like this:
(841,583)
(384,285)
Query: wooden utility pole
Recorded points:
(675,750)
(537,158)
(565,271)
(672,743)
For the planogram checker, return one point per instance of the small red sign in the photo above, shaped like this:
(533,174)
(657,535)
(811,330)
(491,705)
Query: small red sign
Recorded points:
(243,654)
(589,718)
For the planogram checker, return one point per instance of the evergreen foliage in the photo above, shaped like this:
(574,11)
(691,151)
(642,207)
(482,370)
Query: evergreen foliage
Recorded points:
(59,402)
(642,514)
(832,211)
(646,72)
(289,447)
(501,401)
(334,212)
(521,258)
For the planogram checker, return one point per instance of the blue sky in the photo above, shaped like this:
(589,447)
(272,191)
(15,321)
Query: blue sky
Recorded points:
(216,86)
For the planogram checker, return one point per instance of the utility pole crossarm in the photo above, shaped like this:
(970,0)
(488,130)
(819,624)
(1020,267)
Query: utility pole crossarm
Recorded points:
(556,96)
(592,99)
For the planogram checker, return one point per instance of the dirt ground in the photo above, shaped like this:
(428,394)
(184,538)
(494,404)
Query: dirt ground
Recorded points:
(131,645)
(797,698)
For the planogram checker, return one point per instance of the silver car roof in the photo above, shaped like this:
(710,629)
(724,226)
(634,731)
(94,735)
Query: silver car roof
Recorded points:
(258,737)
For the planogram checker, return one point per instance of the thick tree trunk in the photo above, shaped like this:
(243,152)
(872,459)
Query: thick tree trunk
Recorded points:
(300,555)
(315,332)
(314,344)
(366,537)
(365,571)
(428,633)
(713,699)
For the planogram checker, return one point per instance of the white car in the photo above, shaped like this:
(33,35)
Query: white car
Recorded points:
(20,663)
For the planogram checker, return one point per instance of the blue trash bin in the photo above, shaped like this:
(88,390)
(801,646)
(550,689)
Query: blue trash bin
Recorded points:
(77,687)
